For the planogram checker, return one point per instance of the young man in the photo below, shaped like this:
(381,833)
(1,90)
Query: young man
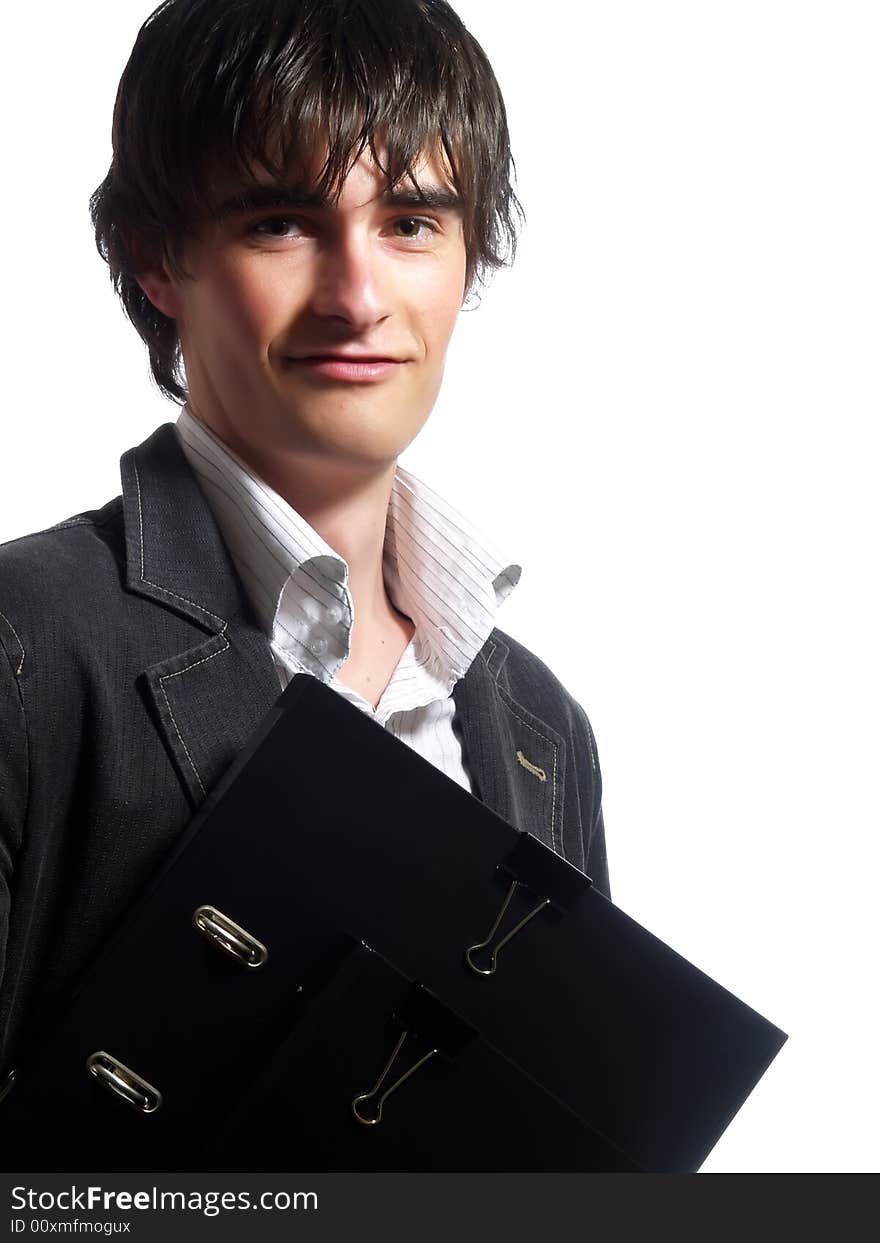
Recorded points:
(302,194)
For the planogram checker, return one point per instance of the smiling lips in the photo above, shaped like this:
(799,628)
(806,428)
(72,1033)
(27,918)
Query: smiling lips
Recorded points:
(349,367)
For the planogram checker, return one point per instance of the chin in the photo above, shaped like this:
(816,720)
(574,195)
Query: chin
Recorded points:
(372,456)
(371,443)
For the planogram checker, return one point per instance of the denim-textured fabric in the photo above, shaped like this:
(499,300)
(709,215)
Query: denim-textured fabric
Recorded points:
(132,671)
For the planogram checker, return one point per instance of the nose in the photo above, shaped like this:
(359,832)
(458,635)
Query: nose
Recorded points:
(349,285)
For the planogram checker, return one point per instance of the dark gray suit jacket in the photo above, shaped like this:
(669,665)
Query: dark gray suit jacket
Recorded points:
(132,671)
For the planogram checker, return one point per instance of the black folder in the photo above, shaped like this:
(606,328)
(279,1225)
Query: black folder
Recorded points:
(559,1033)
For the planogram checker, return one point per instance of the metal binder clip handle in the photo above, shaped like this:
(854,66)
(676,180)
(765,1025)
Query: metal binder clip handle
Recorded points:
(481,945)
(123,1082)
(7,1083)
(365,1096)
(229,936)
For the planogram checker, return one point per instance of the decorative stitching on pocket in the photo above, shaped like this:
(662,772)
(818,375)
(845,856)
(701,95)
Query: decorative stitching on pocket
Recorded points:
(512,705)
(530,767)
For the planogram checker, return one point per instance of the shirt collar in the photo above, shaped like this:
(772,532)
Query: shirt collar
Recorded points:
(439,570)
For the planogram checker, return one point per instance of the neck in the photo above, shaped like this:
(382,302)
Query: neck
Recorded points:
(346,503)
(348,509)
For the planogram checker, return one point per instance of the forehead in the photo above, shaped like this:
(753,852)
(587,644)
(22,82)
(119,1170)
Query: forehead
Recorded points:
(366,181)
(322,169)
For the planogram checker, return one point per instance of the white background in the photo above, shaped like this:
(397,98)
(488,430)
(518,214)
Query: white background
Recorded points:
(667,411)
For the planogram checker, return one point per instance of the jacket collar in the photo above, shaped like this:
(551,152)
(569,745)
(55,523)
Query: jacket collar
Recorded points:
(175,553)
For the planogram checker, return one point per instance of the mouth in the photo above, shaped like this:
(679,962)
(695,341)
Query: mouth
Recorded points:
(346,367)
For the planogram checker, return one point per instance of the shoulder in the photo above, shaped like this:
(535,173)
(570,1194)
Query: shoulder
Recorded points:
(527,680)
(91,540)
(63,572)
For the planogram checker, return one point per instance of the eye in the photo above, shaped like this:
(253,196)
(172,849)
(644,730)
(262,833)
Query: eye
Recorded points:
(276,227)
(415,227)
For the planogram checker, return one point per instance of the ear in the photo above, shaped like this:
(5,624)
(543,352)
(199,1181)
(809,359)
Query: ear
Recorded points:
(161,289)
(149,267)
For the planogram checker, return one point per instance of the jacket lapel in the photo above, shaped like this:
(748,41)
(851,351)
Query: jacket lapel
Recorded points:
(208,698)
(516,761)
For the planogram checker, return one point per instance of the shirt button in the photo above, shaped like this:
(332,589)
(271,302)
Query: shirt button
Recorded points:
(334,614)
(318,646)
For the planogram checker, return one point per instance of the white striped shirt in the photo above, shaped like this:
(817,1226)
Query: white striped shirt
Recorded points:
(438,571)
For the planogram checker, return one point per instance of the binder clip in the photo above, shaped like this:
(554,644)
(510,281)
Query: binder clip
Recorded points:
(537,870)
(7,1083)
(228,936)
(421,1017)
(124,1083)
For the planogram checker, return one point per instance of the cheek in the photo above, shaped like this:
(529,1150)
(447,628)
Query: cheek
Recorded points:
(439,311)
(245,304)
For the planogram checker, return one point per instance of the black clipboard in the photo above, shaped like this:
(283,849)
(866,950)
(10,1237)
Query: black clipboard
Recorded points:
(329,834)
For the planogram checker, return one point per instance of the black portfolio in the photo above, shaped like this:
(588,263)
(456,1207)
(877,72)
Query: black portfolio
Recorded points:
(362,967)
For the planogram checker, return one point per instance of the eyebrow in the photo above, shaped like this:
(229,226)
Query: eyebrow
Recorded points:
(261,197)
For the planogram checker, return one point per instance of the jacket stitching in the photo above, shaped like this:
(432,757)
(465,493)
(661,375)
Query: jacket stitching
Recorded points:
(512,705)
(18,641)
(74,522)
(25,816)
(590,743)
(530,767)
(177,674)
(86,520)
(165,590)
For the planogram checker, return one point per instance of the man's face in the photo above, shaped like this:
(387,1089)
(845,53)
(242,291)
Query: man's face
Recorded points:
(318,330)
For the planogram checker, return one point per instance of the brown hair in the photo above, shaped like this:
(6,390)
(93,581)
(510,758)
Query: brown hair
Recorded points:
(238,85)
